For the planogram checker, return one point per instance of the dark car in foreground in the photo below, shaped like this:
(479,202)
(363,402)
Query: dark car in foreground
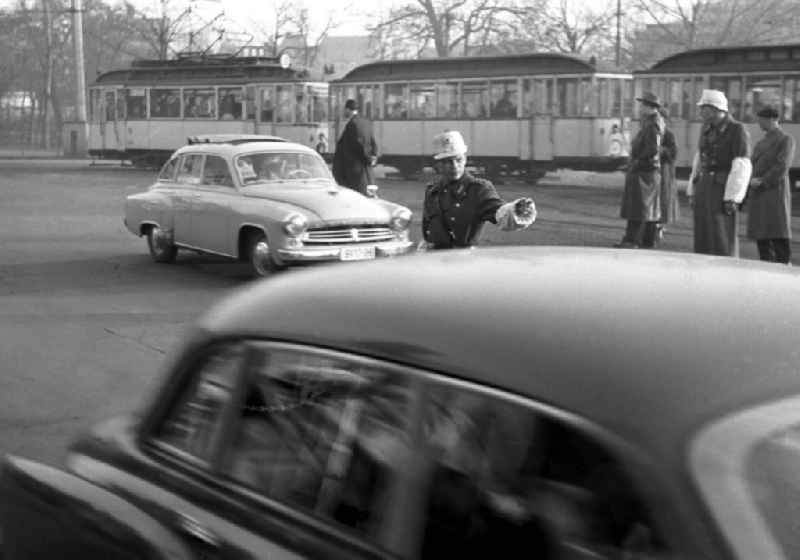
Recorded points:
(516,402)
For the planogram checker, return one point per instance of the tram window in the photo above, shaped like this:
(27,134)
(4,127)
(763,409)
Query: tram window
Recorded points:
(365,100)
(111,106)
(615,101)
(395,101)
(447,100)
(165,103)
(673,98)
(135,104)
(587,97)
(423,101)
(96,107)
(121,115)
(319,104)
(568,96)
(604,97)
(250,103)
(302,98)
(199,104)
(791,99)
(627,98)
(762,91)
(503,95)
(268,104)
(230,104)
(283,104)
(474,99)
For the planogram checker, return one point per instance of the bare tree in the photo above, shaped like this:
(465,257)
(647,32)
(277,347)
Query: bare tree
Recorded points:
(450,26)
(307,41)
(671,26)
(575,28)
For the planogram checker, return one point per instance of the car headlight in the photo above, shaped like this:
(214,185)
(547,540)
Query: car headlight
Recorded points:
(295,225)
(400,219)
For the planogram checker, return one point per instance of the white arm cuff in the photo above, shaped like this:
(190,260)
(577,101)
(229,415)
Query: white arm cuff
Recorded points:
(695,171)
(738,178)
(507,219)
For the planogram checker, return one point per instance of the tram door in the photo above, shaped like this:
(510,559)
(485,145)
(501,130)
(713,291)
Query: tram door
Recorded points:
(541,135)
(112,133)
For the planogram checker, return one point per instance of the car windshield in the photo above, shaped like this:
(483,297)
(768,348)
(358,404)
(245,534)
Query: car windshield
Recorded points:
(279,167)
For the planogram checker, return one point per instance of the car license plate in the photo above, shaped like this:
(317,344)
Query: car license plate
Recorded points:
(357,253)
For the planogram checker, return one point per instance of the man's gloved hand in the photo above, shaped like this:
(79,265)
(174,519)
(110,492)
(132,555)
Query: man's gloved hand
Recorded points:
(728,207)
(525,208)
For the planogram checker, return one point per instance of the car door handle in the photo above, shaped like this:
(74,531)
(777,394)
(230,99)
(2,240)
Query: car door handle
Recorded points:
(197,531)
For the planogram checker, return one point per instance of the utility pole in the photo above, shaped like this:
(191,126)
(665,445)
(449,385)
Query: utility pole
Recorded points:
(80,72)
(619,35)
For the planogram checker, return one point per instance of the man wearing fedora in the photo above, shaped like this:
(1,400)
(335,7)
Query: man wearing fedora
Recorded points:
(457,204)
(769,198)
(641,198)
(720,176)
(356,151)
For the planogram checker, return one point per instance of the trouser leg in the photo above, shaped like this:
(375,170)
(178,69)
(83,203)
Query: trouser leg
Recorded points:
(649,234)
(782,248)
(633,232)
(765,252)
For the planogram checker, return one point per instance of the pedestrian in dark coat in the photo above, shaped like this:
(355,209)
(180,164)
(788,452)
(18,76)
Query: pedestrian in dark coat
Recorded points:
(720,175)
(356,151)
(641,200)
(769,201)
(457,205)
(670,210)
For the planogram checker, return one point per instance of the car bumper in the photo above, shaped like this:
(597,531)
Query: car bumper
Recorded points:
(334,253)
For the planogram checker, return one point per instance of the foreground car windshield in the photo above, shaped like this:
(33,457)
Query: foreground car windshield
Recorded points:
(268,167)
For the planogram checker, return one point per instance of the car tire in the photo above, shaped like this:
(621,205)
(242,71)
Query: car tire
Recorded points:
(161,247)
(260,257)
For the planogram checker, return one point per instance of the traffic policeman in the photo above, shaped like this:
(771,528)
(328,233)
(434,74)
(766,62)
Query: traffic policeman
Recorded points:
(457,204)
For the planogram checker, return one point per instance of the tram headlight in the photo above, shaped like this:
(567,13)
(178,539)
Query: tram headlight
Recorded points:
(400,219)
(295,225)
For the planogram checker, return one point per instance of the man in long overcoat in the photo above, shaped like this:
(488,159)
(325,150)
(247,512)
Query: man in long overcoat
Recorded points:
(641,200)
(720,175)
(356,151)
(769,201)
(670,210)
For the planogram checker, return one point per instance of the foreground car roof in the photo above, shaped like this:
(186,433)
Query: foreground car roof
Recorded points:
(650,345)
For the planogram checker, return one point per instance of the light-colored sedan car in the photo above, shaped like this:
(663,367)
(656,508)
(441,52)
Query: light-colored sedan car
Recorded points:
(262,200)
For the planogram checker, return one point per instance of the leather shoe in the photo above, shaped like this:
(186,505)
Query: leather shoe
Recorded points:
(626,245)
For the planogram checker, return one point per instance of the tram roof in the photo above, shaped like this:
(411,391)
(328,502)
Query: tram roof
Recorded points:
(469,67)
(742,58)
(217,70)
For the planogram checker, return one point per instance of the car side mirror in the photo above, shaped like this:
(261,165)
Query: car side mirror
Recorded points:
(372,191)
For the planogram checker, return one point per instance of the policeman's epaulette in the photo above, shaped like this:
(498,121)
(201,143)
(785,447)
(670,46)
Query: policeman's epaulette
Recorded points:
(480,181)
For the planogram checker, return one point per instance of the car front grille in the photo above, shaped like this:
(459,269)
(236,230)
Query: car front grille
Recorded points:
(347,234)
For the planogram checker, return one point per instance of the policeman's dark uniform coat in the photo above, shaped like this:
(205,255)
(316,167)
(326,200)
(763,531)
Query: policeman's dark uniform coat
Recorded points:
(352,158)
(641,200)
(454,213)
(669,185)
(769,207)
(715,233)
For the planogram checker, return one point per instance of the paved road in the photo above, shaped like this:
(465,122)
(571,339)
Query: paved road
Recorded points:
(86,317)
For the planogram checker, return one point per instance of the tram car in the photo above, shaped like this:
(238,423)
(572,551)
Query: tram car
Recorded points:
(751,77)
(520,114)
(147,111)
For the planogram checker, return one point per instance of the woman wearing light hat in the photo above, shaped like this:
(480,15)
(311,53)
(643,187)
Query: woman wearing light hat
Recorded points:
(719,179)
(457,204)
(641,200)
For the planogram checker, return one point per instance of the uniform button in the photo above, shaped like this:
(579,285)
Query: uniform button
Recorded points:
(452,219)
(458,205)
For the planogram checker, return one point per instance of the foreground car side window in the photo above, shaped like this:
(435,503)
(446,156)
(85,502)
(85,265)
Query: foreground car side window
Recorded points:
(194,423)
(168,171)
(215,172)
(326,434)
(503,478)
(190,169)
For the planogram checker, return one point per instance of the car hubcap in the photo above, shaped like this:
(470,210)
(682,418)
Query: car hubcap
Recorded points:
(261,258)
